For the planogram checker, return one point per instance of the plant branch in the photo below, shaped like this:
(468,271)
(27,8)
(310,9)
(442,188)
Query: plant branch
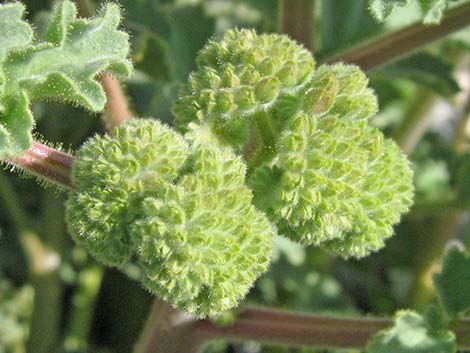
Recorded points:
(279,327)
(46,163)
(389,47)
(296,20)
(295,329)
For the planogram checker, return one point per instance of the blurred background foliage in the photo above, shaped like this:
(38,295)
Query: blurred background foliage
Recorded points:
(424,104)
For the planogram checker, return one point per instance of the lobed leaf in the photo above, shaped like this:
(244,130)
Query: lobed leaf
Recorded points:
(433,10)
(16,33)
(61,66)
(381,9)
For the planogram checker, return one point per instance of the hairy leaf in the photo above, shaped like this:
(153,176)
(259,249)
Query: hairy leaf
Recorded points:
(453,283)
(381,9)
(16,33)
(432,10)
(61,66)
(412,334)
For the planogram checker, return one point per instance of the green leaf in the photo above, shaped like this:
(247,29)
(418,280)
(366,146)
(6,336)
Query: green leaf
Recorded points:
(453,283)
(412,334)
(62,66)
(16,33)
(16,125)
(428,70)
(433,10)
(152,56)
(345,23)
(381,9)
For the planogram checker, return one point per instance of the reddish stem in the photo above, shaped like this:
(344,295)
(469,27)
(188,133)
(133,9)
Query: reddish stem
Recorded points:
(296,20)
(382,50)
(47,163)
(295,329)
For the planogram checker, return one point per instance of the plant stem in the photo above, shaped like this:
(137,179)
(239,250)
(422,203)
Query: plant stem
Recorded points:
(117,109)
(12,205)
(382,50)
(417,120)
(295,329)
(296,20)
(45,331)
(168,331)
(275,326)
(84,300)
(46,163)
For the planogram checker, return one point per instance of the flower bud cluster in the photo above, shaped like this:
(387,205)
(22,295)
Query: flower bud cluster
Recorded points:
(177,206)
(316,167)
(239,76)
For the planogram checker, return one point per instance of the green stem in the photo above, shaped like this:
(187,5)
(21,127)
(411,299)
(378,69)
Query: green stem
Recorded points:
(45,331)
(296,20)
(12,205)
(416,123)
(44,262)
(46,163)
(389,47)
(84,300)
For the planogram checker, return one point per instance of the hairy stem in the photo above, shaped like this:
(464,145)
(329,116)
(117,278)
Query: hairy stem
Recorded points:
(296,20)
(46,163)
(389,47)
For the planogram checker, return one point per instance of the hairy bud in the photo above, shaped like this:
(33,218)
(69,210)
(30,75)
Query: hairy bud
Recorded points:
(316,167)
(177,206)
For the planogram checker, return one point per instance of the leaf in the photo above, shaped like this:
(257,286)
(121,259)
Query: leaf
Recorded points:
(16,33)
(152,56)
(345,23)
(62,66)
(190,28)
(412,334)
(453,283)
(433,10)
(16,125)
(428,70)
(381,9)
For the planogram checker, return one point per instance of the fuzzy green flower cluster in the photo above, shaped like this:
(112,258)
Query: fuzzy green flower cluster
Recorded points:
(238,77)
(316,167)
(177,206)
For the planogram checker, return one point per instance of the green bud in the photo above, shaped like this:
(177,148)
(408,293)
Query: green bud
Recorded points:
(177,206)
(267,90)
